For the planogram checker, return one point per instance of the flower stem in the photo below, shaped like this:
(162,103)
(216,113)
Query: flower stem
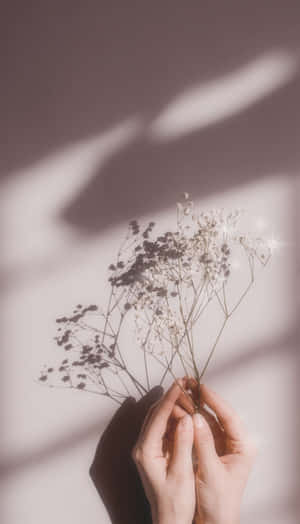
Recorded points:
(212,350)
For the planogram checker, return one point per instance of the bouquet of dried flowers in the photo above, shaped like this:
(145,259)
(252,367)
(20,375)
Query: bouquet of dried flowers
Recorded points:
(162,285)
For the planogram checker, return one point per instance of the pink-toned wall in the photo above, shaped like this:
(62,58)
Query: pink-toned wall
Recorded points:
(108,112)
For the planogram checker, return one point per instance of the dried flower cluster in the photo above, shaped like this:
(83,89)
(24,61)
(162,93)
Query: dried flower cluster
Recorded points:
(164,284)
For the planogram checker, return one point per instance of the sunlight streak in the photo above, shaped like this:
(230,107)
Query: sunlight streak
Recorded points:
(226,96)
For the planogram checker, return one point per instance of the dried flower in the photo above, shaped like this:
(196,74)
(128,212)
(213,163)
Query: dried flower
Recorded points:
(163,284)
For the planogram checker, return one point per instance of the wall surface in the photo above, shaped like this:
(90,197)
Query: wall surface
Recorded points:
(108,113)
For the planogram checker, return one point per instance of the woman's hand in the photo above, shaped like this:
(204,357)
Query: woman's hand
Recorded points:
(225,455)
(166,469)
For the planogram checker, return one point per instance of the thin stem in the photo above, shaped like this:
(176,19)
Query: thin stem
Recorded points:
(213,349)
(219,300)
(140,388)
(187,335)
(175,336)
(107,314)
(196,300)
(224,298)
(175,378)
(247,288)
(123,383)
(201,310)
(145,354)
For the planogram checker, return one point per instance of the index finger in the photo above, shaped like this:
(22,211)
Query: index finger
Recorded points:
(231,422)
(152,436)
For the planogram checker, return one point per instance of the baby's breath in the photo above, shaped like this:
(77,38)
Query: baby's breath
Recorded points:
(164,284)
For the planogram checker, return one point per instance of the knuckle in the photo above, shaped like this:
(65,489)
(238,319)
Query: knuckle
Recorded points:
(136,454)
(139,455)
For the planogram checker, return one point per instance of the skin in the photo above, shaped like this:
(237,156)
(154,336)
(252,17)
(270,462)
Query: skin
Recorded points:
(194,467)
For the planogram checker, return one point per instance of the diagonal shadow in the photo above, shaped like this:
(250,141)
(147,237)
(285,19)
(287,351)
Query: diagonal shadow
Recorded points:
(70,71)
(287,344)
(148,176)
(261,142)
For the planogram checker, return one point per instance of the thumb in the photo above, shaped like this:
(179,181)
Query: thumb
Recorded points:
(206,454)
(181,461)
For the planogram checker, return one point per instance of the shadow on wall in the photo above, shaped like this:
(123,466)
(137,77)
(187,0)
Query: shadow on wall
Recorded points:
(70,72)
(113,471)
(136,411)
(149,175)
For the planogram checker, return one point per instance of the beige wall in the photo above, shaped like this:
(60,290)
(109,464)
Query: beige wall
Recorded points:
(88,150)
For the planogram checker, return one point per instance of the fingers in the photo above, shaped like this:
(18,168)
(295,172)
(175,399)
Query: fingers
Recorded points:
(231,422)
(155,428)
(147,417)
(207,457)
(181,461)
(189,398)
(185,401)
(193,386)
(178,412)
(228,417)
(216,429)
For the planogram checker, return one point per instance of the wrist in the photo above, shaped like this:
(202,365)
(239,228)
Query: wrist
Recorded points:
(222,520)
(170,515)
(171,519)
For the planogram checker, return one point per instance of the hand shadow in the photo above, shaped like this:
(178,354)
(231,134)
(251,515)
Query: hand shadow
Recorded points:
(113,471)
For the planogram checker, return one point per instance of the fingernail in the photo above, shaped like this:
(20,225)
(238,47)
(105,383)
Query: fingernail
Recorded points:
(198,419)
(186,422)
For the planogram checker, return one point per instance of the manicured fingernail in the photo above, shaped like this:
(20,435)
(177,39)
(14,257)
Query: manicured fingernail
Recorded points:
(186,421)
(198,419)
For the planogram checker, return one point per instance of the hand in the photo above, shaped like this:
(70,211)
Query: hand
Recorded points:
(225,455)
(167,476)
